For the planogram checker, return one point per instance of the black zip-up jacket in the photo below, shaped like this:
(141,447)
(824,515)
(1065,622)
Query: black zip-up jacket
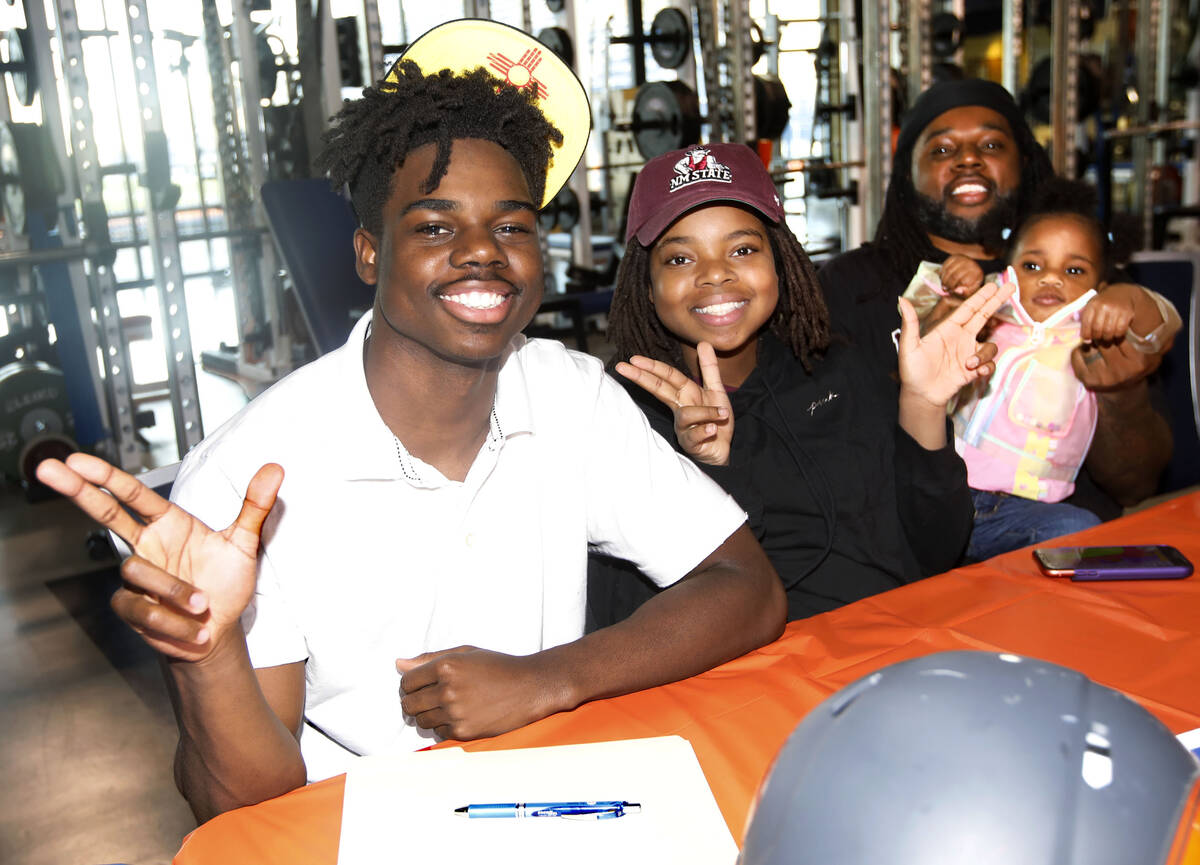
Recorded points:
(845,503)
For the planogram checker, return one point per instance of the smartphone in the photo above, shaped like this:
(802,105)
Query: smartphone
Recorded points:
(1146,562)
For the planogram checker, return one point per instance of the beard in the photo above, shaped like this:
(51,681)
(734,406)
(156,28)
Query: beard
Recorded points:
(987,230)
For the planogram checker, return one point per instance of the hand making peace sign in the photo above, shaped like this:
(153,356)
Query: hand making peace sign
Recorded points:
(937,365)
(703,415)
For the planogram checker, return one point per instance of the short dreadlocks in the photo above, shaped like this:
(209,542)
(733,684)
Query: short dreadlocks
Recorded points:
(800,320)
(372,136)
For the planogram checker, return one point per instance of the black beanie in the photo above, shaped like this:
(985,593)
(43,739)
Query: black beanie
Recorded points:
(945,95)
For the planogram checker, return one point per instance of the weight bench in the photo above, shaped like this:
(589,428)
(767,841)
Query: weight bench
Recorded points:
(313,228)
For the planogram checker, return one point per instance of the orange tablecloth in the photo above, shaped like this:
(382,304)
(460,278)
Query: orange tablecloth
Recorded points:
(1142,638)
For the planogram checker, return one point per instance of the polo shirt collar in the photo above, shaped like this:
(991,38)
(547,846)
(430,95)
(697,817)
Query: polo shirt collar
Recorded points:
(359,445)
(513,410)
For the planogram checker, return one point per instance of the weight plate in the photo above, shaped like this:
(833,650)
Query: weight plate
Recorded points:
(22,72)
(758,43)
(945,34)
(670,38)
(558,40)
(548,216)
(826,55)
(46,447)
(771,107)
(41,174)
(562,213)
(33,408)
(568,209)
(666,116)
(40,421)
(268,65)
(1037,98)
(12,194)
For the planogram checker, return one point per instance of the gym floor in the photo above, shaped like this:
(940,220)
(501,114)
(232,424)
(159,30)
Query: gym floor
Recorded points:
(89,735)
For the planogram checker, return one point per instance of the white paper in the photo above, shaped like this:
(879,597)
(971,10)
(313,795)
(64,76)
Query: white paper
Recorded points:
(1190,739)
(401,808)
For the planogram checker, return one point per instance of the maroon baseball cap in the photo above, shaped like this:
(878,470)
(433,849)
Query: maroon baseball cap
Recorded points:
(674,183)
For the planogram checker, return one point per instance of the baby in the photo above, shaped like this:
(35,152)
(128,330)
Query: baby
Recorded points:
(1025,432)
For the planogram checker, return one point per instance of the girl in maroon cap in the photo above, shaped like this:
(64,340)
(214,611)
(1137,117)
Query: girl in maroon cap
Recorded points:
(720,315)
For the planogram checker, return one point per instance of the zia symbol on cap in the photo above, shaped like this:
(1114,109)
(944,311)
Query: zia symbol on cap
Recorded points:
(520,74)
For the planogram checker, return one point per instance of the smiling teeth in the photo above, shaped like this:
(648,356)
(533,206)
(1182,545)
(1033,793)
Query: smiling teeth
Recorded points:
(969,188)
(721,308)
(476,299)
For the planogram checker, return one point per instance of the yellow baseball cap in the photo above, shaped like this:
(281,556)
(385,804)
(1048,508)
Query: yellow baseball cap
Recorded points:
(514,56)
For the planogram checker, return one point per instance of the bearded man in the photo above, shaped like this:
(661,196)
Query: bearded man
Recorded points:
(965,170)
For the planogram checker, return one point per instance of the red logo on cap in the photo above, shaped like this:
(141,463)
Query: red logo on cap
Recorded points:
(520,74)
(697,165)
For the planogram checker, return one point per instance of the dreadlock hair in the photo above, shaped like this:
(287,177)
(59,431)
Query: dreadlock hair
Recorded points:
(904,240)
(372,136)
(800,319)
(1077,199)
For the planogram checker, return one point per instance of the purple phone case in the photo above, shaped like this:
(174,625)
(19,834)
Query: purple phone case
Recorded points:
(1175,567)
(1143,572)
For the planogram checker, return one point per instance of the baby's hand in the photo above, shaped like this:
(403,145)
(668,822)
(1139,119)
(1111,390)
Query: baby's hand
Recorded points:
(1108,315)
(961,276)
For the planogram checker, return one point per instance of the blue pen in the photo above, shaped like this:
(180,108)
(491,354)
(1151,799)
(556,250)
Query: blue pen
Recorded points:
(571,810)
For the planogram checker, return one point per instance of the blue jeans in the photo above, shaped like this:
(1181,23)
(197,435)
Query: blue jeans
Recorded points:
(1006,522)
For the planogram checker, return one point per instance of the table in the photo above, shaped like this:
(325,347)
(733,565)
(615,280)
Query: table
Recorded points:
(1142,638)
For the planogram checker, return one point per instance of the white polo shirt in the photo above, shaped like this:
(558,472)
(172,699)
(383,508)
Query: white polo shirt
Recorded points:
(372,555)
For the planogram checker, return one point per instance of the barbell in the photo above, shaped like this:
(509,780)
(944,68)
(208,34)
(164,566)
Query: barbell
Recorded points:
(670,38)
(666,114)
